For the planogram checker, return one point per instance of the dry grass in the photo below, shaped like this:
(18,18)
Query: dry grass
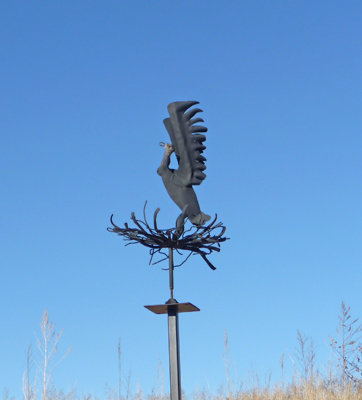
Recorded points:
(301,390)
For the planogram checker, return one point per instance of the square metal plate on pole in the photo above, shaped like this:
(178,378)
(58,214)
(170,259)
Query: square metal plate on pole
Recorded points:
(172,309)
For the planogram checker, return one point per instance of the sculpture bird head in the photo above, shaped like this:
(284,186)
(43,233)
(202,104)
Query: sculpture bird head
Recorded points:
(169,149)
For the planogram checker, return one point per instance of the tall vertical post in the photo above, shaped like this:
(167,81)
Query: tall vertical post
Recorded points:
(170,268)
(173,338)
(172,308)
(174,351)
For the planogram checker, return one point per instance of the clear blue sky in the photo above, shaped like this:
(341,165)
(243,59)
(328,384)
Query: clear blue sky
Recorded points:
(84,89)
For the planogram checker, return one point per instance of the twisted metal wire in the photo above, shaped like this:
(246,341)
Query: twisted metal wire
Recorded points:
(200,240)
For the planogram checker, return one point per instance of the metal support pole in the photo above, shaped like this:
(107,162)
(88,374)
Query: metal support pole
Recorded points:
(174,351)
(172,308)
(171,267)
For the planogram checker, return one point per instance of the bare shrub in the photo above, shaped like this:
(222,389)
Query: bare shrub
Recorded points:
(349,350)
(48,348)
(305,354)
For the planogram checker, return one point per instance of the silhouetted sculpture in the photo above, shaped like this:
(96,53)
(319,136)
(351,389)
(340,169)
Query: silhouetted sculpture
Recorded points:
(203,239)
(187,143)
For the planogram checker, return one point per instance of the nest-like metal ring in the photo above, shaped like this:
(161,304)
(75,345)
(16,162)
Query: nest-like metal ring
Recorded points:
(197,240)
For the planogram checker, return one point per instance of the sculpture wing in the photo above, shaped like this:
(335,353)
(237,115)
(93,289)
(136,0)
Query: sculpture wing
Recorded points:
(187,140)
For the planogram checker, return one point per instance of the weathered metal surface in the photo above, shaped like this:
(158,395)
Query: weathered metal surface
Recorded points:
(187,143)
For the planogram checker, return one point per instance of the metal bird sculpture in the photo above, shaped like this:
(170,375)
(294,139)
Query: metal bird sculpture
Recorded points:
(187,143)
